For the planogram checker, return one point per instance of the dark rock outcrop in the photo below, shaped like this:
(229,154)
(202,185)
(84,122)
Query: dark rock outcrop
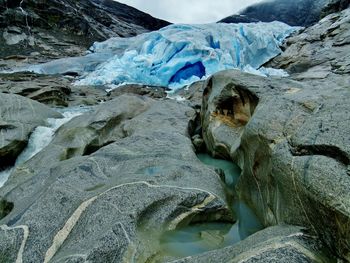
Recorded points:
(239,18)
(42,30)
(52,90)
(294,13)
(335,6)
(58,90)
(290,135)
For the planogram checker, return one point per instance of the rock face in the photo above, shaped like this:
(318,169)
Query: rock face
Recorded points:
(38,30)
(108,185)
(51,90)
(335,6)
(294,13)
(291,135)
(18,118)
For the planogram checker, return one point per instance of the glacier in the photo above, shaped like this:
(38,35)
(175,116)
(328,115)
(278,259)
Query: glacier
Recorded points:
(176,55)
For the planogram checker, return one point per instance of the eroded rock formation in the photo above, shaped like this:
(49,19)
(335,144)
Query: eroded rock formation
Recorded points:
(110,183)
(294,148)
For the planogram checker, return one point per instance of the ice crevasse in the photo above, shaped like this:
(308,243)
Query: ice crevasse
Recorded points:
(180,54)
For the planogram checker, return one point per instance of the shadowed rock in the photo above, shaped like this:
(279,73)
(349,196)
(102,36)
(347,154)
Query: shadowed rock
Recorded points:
(294,13)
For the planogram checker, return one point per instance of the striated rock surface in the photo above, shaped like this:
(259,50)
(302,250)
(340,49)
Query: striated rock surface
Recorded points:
(291,135)
(108,185)
(18,118)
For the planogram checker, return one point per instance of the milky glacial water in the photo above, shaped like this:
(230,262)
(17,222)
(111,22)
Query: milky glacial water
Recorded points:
(201,237)
(41,137)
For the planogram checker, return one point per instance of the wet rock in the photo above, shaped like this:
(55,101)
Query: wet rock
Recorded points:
(275,244)
(19,117)
(110,183)
(198,143)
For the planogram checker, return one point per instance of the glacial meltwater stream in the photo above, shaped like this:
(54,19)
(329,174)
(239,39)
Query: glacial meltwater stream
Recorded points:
(201,237)
(41,137)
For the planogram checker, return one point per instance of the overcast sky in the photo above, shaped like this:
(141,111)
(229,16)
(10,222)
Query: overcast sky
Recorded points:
(190,11)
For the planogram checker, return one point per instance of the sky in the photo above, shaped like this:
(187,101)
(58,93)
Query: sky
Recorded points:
(190,11)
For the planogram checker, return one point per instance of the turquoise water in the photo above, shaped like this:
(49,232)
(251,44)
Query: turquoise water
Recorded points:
(201,237)
(231,170)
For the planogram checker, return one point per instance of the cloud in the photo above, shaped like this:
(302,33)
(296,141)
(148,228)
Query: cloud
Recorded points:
(190,11)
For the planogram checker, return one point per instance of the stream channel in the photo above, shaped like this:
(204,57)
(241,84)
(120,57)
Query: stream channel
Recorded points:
(201,237)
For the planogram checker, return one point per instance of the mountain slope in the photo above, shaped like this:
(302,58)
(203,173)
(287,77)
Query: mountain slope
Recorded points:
(70,26)
(294,13)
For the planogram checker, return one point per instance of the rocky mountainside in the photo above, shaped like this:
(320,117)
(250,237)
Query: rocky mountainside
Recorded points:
(35,30)
(294,13)
(95,175)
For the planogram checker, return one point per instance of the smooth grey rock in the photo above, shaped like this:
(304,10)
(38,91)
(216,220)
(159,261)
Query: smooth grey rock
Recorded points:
(110,183)
(18,118)
(290,135)
(289,244)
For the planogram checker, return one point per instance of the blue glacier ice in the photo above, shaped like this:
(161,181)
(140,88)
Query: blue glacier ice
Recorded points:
(180,54)
(176,55)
